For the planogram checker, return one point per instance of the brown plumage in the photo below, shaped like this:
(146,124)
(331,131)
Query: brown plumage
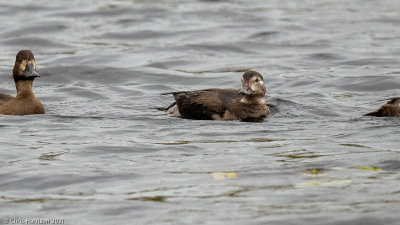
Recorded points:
(5,98)
(25,102)
(390,109)
(246,104)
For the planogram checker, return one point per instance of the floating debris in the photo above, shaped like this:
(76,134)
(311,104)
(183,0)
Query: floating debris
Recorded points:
(323,183)
(223,176)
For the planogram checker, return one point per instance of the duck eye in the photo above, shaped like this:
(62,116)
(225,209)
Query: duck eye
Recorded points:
(257,80)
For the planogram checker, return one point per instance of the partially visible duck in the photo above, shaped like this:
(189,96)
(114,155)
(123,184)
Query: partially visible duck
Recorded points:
(246,104)
(25,102)
(390,109)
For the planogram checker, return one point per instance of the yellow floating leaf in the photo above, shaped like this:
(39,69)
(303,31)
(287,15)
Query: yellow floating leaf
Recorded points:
(323,183)
(223,176)
(231,175)
(315,172)
(369,168)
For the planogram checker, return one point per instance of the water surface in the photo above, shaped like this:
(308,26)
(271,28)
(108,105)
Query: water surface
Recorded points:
(103,155)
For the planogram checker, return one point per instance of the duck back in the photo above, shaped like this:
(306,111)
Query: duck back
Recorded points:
(390,109)
(204,104)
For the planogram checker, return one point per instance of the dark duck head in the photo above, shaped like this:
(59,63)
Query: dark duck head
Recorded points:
(25,66)
(394,102)
(253,88)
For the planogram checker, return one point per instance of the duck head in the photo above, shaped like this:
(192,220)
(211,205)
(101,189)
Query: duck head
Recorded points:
(394,101)
(252,84)
(25,66)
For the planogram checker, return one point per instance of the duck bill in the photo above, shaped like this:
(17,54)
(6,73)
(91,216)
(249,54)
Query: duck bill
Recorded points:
(246,90)
(29,72)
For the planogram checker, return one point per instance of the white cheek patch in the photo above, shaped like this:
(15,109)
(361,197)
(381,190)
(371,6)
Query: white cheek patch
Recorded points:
(261,82)
(22,66)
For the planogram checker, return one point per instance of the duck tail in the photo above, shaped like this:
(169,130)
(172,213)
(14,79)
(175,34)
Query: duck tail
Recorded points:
(375,113)
(165,108)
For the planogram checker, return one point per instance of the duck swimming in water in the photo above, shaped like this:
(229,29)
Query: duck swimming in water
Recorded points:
(247,104)
(25,102)
(390,109)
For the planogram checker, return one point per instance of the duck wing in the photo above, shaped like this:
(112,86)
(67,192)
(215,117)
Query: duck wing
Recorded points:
(5,98)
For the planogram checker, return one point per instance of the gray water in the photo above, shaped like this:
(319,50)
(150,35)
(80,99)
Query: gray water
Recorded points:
(103,155)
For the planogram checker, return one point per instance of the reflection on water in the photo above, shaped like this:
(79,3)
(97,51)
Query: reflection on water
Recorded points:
(102,154)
